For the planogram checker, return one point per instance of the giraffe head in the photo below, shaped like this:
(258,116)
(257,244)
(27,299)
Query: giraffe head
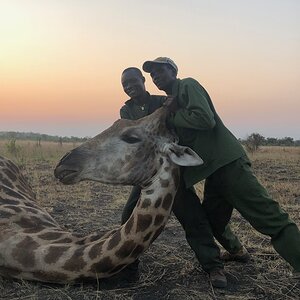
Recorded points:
(129,152)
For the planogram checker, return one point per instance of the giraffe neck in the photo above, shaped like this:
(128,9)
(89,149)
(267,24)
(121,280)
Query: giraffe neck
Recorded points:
(40,250)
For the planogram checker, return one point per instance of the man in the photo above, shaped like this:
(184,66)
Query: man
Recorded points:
(187,207)
(230,182)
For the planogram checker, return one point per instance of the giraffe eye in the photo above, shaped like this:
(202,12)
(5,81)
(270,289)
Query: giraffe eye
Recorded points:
(130,139)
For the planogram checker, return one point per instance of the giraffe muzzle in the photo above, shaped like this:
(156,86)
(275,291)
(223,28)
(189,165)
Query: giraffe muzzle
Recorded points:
(66,176)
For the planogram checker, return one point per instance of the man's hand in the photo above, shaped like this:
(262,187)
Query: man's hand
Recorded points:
(171,103)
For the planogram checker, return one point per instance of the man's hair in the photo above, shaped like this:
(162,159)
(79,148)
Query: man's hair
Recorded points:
(134,69)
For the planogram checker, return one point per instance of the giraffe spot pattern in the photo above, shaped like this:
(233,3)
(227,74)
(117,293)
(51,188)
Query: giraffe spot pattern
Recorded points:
(5,214)
(34,229)
(158,220)
(157,233)
(147,237)
(54,253)
(137,251)
(10,175)
(126,249)
(164,182)
(25,222)
(167,202)
(103,266)
(10,201)
(149,192)
(158,202)
(146,203)
(96,250)
(63,241)
(14,208)
(50,235)
(128,225)
(143,222)
(95,237)
(24,252)
(76,263)
(114,241)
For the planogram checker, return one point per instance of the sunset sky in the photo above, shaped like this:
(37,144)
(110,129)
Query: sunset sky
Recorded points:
(61,60)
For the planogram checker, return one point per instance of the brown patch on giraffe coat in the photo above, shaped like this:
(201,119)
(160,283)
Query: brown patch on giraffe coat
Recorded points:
(164,182)
(21,189)
(137,251)
(10,201)
(10,174)
(95,237)
(36,229)
(103,266)
(167,202)
(147,237)
(143,222)
(158,202)
(76,262)
(54,277)
(126,249)
(40,221)
(15,208)
(24,252)
(157,233)
(25,222)
(50,235)
(80,241)
(5,214)
(149,192)
(146,203)
(12,166)
(96,250)
(128,225)
(63,241)
(6,182)
(114,241)
(158,220)
(32,210)
(54,253)
(167,169)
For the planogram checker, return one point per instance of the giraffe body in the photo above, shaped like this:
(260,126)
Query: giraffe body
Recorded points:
(32,244)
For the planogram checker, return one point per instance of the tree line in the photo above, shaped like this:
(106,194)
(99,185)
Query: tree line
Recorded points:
(14,135)
(255,140)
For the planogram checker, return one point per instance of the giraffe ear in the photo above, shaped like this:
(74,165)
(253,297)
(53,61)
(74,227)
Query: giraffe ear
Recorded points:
(182,156)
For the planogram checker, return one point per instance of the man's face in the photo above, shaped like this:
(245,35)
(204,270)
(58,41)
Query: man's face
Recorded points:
(163,76)
(133,84)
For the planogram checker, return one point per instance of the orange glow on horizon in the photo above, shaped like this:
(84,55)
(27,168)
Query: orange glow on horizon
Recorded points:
(62,61)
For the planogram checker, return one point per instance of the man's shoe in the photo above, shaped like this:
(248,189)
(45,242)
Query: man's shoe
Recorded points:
(241,256)
(217,278)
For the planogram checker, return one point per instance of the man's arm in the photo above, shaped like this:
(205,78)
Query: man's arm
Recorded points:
(194,111)
(124,114)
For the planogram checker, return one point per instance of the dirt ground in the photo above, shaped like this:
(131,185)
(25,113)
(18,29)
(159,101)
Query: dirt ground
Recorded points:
(168,268)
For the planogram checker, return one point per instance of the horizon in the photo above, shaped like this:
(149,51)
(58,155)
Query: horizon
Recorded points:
(61,62)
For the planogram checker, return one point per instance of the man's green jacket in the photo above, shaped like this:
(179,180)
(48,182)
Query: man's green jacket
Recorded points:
(199,127)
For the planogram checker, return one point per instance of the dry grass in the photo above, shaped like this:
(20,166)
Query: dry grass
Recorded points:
(169,269)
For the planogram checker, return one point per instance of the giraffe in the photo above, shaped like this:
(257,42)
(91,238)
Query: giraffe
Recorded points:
(33,246)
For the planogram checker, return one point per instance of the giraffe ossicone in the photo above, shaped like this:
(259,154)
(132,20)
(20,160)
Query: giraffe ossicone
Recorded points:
(33,246)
